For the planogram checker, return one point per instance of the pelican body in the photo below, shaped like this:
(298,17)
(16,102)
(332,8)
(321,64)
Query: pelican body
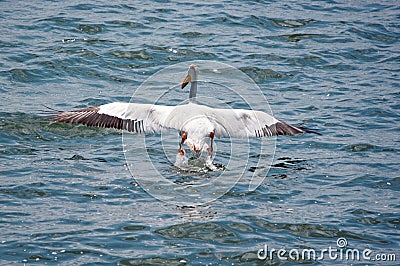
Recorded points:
(197,124)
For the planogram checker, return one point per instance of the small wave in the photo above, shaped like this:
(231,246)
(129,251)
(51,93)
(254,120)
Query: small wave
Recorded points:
(360,147)
(91,28)
(132,55)
(293,23)
(262,74)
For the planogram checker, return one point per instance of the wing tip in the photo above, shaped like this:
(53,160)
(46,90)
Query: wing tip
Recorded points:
(74,117)
(282,128)
(309,131)
(92,118)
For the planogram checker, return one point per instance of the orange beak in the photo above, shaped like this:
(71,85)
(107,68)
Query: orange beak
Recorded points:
(186,81)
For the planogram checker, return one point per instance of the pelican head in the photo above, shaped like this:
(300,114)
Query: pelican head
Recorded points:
(191,75)
(192,78)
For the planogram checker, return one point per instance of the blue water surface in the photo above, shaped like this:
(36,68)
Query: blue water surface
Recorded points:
(67,196)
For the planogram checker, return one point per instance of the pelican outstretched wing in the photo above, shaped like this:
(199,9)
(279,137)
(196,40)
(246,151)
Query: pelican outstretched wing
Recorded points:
(242,123)
(149,118)
(132,117)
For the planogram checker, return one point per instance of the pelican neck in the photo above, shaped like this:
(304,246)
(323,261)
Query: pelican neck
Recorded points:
(193,91)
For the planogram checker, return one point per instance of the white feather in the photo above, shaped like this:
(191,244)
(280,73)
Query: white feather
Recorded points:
(238,123)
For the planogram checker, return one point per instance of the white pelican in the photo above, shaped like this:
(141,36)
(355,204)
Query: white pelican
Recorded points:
(197,124)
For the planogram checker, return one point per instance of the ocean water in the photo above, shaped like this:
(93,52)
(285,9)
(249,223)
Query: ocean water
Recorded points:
(68,196)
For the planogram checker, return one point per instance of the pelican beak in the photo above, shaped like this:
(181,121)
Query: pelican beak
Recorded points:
(185,82)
